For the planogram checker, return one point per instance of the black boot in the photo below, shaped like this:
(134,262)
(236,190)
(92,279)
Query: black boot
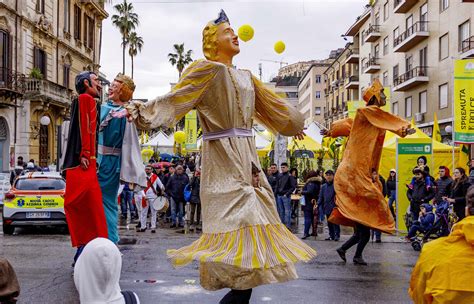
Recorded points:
(237,297)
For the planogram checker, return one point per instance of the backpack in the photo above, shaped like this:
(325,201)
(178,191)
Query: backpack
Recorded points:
(187,193)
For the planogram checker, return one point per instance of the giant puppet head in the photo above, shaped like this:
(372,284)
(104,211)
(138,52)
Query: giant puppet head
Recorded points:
(374,95)
(122,88)
(219,39)
(88,83)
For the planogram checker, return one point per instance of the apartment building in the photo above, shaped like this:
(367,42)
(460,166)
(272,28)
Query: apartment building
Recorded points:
(295,69)
(411,47)
(342,83)
(43,45)
(311,97)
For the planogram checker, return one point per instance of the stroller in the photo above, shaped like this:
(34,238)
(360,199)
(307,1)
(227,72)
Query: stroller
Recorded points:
(445,218)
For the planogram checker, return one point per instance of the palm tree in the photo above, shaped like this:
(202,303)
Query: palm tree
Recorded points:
(181,58)
(125,21)
(135,44)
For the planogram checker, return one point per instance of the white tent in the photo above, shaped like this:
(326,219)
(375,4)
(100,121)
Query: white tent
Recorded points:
(160,140)
(260,140)
(313,131)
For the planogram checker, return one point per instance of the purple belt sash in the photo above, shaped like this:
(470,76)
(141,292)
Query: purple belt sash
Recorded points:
(234,132)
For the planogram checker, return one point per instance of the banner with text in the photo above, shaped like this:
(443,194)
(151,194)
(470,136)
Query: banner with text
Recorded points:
(464,101)
(190,128)
(408,151)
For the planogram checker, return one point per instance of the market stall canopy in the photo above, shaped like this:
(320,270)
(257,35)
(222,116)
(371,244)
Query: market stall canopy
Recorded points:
(314,132)
(160,140)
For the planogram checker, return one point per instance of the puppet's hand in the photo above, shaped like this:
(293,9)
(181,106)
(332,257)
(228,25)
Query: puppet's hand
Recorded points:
(300,135)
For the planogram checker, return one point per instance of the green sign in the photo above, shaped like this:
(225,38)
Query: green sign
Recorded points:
(414,148)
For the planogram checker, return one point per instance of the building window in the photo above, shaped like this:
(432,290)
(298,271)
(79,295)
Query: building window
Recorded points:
(395,108)
(395,72)
(377,18)
(318,94)
(4,54)
(66,73)
(67,17)
(408,107)
(423,59)
(444,4)
(90,32)
(443,96)
(317,111)
(77,22)
(423,97)
(385,11)
(385,45)
(40,61)
(40,6)
(444,46)
(396,33)
(385,79)
(377,51)
(318,78)
(463,33)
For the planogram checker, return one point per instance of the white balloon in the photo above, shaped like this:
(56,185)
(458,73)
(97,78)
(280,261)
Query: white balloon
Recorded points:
(448,129)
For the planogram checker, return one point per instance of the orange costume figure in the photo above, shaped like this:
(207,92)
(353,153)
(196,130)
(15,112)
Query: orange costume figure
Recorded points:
(359,201)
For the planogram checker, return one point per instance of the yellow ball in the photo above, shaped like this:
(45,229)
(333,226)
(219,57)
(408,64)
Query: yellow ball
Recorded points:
(279,47)
(245,32)
(180,137)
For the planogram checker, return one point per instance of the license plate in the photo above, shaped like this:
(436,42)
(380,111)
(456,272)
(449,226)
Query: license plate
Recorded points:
(37,215)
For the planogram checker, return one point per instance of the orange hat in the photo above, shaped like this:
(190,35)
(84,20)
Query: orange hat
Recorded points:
(373,90)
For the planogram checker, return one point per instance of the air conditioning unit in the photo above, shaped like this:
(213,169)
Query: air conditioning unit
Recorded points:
(419,117)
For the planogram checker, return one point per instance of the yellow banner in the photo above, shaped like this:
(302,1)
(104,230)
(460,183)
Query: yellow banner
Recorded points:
(464,101)
(408,151)
(190,128)
(36,202)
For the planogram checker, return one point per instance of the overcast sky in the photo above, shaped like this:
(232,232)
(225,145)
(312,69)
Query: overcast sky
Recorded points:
(310,29)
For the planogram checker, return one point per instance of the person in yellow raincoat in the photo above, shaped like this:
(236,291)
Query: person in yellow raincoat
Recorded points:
(244,244)
(444,272)
(359,201)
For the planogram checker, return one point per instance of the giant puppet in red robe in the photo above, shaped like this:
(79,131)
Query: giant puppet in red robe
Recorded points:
(83,199)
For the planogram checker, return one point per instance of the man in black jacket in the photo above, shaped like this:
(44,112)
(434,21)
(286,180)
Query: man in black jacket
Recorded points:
(175,190)
(286,185)
(444,184)
(273,178)
(419,193)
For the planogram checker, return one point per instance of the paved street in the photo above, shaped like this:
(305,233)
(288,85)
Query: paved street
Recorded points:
(42,259)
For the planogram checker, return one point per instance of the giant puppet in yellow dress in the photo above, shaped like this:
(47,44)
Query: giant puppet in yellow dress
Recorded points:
(244,244)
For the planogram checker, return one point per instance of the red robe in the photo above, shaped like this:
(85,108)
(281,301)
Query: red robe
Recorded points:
(83,199)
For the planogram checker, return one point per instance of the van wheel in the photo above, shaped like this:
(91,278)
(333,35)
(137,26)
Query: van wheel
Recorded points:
(8,229)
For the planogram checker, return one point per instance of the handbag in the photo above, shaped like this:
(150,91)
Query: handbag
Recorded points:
(187,193)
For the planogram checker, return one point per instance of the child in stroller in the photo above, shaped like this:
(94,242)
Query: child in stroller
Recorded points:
(431,225)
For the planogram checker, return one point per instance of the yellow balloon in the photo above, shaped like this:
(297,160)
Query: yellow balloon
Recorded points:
(279,47)
(245,32)
(180,137)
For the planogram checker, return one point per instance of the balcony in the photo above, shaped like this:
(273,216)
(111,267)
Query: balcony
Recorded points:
(411,37)
(372,66)
(352,56)
(403,6)
(352,82)
(45,90)
(410,79)
(372,34)
(467,48)
(11,86)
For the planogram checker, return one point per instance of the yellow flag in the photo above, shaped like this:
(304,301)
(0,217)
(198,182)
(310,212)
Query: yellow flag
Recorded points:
(464,157)
(436,132)
(412,122)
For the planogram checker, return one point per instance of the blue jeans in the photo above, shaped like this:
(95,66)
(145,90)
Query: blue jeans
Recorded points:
(177,211)
(391,200)
(126,202)
(308,219)
(284,210)
(321,213)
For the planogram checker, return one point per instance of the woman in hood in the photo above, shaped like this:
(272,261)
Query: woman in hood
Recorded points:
(97,275)
(311,193)
(443,273)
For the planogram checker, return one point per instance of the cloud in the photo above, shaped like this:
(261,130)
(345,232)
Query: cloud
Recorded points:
(310,29)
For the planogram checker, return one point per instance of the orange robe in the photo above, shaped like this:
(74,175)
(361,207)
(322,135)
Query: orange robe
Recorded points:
(358,198)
